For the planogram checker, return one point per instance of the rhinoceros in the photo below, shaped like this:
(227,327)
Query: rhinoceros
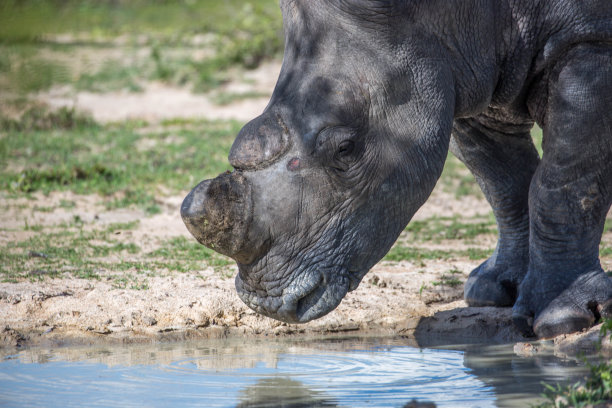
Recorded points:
(371,96)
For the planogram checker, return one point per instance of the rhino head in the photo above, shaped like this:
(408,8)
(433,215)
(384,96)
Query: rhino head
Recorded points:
(350,145)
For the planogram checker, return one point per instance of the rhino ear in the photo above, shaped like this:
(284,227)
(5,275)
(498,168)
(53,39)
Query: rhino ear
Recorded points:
(260,142)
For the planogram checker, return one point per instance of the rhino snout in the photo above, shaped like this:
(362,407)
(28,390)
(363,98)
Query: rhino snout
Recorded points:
(219,214)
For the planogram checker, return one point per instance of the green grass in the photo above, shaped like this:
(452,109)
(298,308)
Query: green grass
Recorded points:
(404,253)
(34,20)
(67,204)
(436,229)
(450,228)
(449,279)
(112,76)
(226,98)
(457,179)
(182,248)
(237,34)
(595,390)
(37,118)
(91,252)
(36,74)
(67,248)
(126,162)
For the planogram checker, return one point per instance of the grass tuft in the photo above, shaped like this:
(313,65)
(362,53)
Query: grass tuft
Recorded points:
(38,118)
(596,390)
(110,161)
(91,251)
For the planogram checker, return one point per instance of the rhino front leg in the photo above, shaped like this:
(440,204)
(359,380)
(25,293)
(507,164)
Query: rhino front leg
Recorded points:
(565,289)
(503,159)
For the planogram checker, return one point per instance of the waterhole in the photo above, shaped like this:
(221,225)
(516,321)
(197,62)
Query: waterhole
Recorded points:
(268,373)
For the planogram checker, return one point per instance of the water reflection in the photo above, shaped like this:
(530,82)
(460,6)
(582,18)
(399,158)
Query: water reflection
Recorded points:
(323,373)
(517,379)
(282,392)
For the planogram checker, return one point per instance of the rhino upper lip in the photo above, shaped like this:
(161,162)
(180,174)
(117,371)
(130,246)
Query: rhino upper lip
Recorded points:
(305,303)
(301,304)
(295,305)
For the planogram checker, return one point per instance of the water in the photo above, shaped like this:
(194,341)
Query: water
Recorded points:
(321,373)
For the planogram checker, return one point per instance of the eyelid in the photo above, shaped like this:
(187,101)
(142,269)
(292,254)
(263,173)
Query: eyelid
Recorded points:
(325,129)
(346,129)
(312,138)
(315,136)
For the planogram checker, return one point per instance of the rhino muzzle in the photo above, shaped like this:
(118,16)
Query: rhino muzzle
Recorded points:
(219,213)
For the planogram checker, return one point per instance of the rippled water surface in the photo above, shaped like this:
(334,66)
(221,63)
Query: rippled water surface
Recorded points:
(261,373)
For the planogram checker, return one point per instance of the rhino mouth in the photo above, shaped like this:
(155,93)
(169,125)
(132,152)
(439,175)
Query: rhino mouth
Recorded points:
(298,303)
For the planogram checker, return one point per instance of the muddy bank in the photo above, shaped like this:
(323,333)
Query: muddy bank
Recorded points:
(187,306)
(179,308)
(419,299)
(396,298)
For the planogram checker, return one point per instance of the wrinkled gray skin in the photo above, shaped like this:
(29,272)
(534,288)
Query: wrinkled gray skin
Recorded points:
(357,131)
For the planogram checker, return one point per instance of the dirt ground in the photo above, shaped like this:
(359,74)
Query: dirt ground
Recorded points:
(180,305)
(393,299)
(160,101)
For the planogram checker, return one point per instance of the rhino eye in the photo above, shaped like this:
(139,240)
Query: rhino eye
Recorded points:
(344,156)
(338,147)
(345,149)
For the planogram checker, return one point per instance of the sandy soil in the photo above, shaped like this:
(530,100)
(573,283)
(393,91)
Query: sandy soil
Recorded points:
(390,298)
(393,299)
(160,101)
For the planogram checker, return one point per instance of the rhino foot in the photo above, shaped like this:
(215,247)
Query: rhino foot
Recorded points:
(493,285)
(549,314)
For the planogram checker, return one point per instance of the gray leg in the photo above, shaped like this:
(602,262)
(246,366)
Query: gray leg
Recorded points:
(502,158)
(565,289)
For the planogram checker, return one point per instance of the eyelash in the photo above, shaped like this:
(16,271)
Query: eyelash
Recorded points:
(345,147)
